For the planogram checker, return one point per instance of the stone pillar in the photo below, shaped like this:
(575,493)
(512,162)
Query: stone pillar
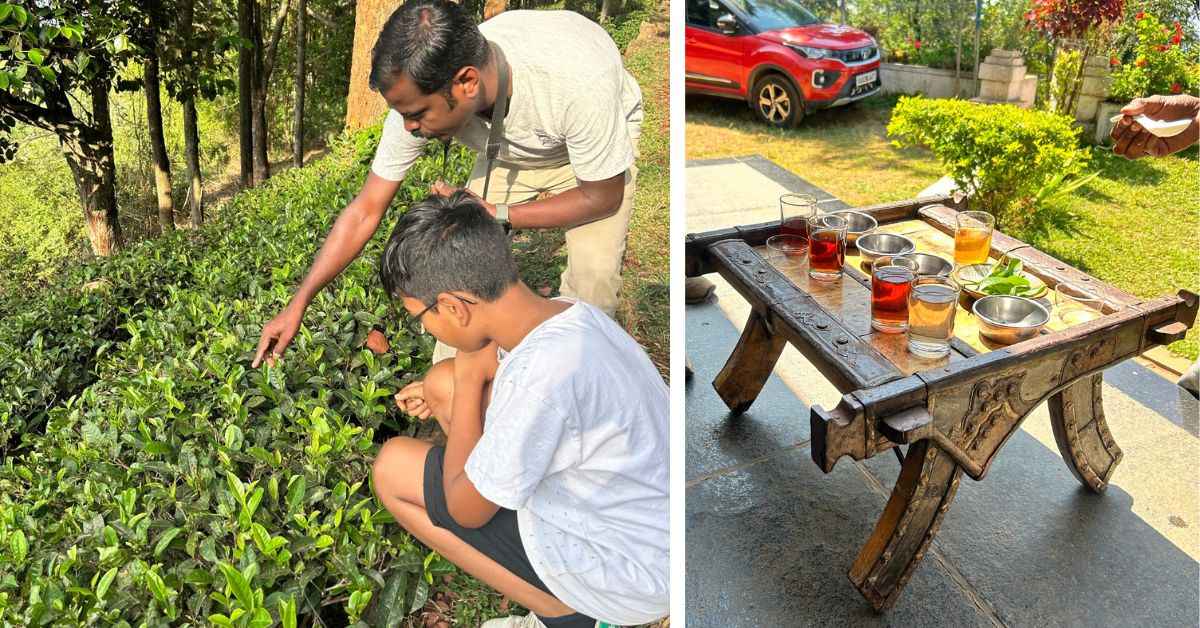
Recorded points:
(1002,79)
(1092,92)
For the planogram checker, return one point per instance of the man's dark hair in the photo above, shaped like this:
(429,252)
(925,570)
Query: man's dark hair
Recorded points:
(429,40)
(447,243)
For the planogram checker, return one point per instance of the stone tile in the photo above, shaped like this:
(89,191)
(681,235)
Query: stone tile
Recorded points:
(1043,551)
(769,544)
(777,420)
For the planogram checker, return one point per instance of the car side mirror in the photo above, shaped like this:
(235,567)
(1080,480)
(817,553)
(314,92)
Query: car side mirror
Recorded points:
(727,24)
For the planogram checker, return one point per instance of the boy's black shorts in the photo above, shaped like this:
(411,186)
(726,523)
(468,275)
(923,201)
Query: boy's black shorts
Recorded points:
(498,539)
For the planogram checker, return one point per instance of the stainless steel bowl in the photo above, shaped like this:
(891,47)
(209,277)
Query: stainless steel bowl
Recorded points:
(930,264)
(857,224)
(873,245)
(1007,320)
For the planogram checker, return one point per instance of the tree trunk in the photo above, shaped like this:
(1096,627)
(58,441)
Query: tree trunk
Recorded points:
(89,153)
(262,164)
(158,146)
(298,126)
(264,64)
(191,140)
(191,128)
(605,10)
(957,57)
(492,8)
(842,9)
(364,106)
(245,95)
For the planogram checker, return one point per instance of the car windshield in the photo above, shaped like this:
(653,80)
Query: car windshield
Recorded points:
(769,15)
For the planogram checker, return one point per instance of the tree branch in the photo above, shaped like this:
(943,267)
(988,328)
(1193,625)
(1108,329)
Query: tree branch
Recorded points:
(46,118)
(273,44)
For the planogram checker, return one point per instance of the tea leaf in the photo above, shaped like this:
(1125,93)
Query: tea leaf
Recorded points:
(19,546)
(105,582)
(165,539)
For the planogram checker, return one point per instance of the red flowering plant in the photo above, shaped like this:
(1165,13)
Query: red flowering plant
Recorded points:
(1073,19)
(1080,28)
(1159,64)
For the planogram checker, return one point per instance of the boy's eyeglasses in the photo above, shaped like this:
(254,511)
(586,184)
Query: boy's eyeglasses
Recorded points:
(415,320)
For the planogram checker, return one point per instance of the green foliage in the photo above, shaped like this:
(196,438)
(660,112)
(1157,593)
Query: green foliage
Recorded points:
(173,484)
(1159,64)
(42,231)
(624,27)
(1005,154)
(1067,72)
(925,33)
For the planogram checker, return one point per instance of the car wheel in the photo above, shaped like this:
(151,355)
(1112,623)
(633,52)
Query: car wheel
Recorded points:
(776,102)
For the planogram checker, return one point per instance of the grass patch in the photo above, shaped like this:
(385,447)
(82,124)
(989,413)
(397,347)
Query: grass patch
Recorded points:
(845,151)
(1136,226)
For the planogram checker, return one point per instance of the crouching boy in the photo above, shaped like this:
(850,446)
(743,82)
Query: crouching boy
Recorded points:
(552,486)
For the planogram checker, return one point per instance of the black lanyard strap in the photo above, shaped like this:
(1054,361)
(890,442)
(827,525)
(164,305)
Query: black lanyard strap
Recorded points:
(499,110)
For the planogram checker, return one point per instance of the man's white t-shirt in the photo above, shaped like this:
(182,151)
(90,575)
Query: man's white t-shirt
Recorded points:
(575,440)
(572,101)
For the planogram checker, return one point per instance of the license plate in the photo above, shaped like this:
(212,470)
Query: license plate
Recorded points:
(865,79)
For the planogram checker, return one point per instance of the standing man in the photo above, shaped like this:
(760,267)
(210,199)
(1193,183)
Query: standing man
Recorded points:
(544,100)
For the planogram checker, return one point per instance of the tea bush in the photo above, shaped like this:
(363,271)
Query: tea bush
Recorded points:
(1010,157)
(174,485)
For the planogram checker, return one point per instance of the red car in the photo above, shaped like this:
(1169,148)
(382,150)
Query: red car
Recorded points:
(778,57)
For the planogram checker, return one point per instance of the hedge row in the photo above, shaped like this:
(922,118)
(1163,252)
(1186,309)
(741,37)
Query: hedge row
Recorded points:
(172,484)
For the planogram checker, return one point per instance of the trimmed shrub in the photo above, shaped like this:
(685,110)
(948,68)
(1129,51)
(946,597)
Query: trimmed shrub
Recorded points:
(1009,157)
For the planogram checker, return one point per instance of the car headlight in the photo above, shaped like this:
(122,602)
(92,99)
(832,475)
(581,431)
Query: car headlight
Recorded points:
(811,53)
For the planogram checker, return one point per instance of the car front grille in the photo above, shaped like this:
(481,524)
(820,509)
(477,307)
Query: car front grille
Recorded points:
(856,55)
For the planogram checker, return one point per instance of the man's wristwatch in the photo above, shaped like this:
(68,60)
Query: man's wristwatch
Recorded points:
(502,215)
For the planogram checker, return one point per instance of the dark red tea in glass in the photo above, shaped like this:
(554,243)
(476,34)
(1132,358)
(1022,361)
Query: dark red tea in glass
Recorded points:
(795,227)
(795,210)
(826,247)
(891,280)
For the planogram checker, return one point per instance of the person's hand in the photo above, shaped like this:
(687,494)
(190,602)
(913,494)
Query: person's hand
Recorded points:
(277,334)
(441,188)
(476,367)
(411,401)
(1132,141)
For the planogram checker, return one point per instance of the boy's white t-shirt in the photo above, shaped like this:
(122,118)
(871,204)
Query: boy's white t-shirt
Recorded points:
(575,440)
(572,101)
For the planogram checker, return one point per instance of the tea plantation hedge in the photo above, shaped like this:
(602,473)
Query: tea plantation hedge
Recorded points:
(151,477)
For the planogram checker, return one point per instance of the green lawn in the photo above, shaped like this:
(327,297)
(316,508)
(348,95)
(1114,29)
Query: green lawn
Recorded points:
(1137,225)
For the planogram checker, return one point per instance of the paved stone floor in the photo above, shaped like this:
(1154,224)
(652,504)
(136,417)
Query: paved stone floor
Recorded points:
(770,537)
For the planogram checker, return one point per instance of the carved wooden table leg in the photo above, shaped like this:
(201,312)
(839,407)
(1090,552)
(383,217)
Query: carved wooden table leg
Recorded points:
(911,518)
(749,366)
(1077,415)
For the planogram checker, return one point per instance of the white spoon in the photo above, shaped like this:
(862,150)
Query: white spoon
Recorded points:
(1160,128)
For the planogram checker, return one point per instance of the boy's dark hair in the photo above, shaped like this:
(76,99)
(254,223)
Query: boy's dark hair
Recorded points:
(447,243)
(429,40)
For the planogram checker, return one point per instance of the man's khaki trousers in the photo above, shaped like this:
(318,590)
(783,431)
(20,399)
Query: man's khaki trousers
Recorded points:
(595,251)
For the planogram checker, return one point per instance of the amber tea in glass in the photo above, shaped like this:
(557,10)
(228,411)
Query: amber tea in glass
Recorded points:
(826,247)
(932,302)
(891,280)
(973,237)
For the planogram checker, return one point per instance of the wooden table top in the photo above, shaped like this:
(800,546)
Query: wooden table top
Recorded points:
(849,300)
